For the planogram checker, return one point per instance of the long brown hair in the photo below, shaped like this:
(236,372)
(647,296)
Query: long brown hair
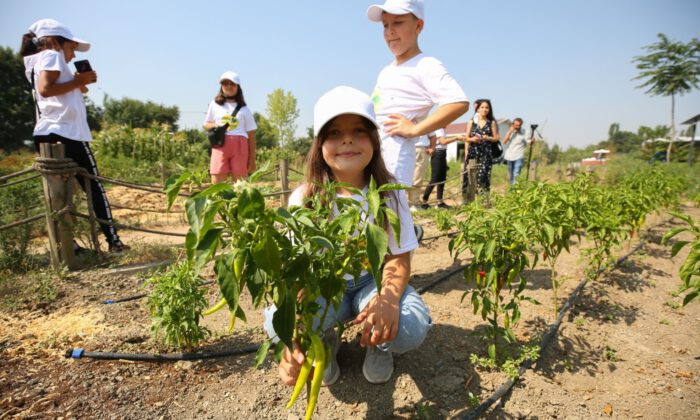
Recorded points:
(238,97)
(318,172)
(31,45)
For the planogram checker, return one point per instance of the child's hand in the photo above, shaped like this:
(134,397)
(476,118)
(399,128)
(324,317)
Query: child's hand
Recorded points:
(381,318)
(85,78)
(291,364)
(398,125)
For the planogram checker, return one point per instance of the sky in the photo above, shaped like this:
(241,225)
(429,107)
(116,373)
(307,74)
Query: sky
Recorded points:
(565,65)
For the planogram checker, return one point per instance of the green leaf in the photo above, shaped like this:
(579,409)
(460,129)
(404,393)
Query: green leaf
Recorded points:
(251,203)
(373,202)
(194,208)
(377,245)
(205,249)
(173,185)
(266,256)
(261,354)
(322,242)
(226,279)
(395,224)
(675,249)
(690,296)
(283,320)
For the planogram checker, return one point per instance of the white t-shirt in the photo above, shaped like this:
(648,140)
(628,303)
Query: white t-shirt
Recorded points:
(516,146)
(410,89)
(408,235)
(64,115)
(246,122)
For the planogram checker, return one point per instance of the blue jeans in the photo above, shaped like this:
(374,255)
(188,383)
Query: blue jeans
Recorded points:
(514,167)
(414,319)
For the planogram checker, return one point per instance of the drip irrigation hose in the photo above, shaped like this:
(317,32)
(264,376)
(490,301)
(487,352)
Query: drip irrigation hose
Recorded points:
(546,338)
(79,353)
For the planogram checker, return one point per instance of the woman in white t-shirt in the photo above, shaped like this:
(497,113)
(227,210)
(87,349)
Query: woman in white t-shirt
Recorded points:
(237,155)
(47,49)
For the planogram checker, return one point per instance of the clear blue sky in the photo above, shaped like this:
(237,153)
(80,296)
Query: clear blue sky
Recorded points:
(566,65)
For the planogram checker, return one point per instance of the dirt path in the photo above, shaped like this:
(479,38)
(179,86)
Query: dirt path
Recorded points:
(625,351)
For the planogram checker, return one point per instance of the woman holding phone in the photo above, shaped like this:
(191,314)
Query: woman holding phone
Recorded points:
(47,49)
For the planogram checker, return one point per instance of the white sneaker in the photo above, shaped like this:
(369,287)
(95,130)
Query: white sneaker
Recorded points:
(413,209)
(378,366)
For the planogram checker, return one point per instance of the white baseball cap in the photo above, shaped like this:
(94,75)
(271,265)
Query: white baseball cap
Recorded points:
(342,100)
(395,7)
(232,76)
(50,27)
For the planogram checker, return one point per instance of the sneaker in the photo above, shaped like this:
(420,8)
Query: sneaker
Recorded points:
(419,232)
(378,366)
(117,247)
(424,205)
(442,205)
(332,372)
(413,209)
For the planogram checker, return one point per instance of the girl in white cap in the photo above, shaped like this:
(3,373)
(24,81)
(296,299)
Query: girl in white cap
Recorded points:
(237,155)
(346,149)
(47,49)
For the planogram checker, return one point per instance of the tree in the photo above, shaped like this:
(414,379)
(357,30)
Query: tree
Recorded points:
(302,145)
(282,113)
(671,68)
(622,141)
(95,114)
(138,114)
(265,134)
(17,111)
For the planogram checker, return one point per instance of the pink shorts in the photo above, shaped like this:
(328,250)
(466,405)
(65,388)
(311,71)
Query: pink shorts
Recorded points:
(231,158)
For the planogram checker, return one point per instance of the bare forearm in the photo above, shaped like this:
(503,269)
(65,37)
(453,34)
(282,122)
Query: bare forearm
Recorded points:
(441,118)
(397,271)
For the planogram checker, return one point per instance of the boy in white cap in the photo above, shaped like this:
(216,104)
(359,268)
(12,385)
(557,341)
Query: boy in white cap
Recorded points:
(409,87)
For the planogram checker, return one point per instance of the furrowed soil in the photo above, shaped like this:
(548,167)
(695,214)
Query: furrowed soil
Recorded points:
(626,349)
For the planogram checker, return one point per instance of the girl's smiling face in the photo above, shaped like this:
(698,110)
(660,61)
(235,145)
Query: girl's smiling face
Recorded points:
(347,149)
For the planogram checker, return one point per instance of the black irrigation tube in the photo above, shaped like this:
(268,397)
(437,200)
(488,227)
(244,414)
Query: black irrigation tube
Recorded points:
(79,353)
(546,338)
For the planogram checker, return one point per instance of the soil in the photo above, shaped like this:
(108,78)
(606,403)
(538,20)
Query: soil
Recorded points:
(626,349)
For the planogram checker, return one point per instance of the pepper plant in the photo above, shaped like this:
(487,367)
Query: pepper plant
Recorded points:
(497,242)
(290,258)
(690,269)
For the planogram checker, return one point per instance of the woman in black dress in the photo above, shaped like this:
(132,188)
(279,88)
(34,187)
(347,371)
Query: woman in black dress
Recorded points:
(482,131)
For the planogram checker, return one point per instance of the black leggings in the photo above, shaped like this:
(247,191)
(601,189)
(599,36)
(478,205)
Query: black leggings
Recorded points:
(438,173)
(80,152)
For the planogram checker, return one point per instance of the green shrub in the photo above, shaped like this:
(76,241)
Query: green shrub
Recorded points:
(176,304)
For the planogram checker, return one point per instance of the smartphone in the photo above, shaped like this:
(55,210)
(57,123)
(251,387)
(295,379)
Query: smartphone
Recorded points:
(83,66)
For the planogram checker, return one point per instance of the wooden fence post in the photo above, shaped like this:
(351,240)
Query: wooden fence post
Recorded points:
(284,180)
(57,197)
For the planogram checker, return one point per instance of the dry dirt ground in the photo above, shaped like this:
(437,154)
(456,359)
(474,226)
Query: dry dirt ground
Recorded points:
(625,350)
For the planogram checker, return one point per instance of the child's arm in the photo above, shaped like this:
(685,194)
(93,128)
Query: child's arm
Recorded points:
(398,125)
(381,315)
